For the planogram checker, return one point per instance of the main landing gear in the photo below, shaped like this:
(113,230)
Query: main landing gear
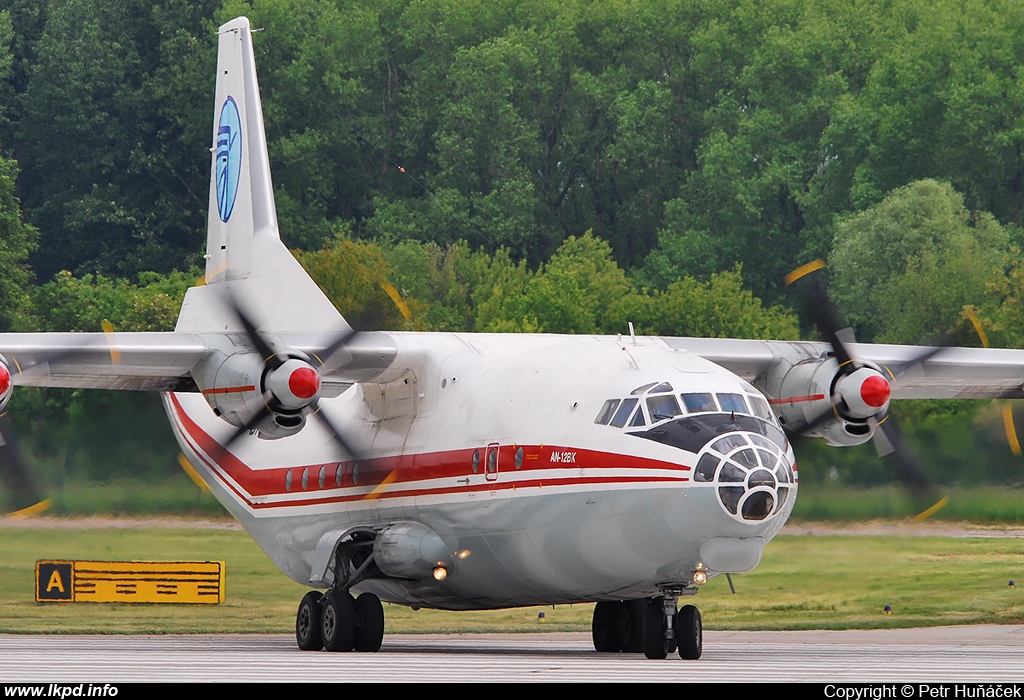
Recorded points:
(338,622)
(648,625)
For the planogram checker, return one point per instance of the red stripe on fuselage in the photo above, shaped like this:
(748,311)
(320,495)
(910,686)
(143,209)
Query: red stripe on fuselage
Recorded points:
(797,399)
(229,390)
(397,476)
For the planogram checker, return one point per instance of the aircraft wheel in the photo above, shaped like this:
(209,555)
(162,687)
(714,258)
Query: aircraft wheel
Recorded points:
(689,632)
(631,625)
(338,621)
(369,623)
(655,644)
(307,622)
(605,626)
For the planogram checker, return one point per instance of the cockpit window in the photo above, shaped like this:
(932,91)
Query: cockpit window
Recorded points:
(622,415)
(641,389)
(662,388)
(733,403)
(699,403)
(760,406)
(638,418)
(607,411)
(662,407)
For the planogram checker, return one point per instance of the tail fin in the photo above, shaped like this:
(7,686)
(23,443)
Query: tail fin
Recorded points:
(244,252)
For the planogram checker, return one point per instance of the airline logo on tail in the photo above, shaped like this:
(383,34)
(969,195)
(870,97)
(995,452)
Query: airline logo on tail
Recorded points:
(229,158)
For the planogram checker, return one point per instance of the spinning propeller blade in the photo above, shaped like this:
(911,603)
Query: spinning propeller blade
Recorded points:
(888,440)
(275,359)
(24,496)
(1008,426)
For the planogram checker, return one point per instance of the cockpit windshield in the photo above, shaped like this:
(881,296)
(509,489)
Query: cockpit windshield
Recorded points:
(659,401)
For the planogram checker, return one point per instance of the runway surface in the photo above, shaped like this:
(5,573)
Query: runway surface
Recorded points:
(976,654)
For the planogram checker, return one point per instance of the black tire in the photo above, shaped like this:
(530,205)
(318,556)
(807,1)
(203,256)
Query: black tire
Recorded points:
(307,622)
(689,632)
(631,626)
(604,626)
(338,622)
(369,623)
(655,644)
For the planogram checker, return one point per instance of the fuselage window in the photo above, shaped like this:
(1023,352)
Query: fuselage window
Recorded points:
(733,403)
(492,461)
(662,407)
(622,415)
(607,411)
(322,479)
(638,418)
(476,461)
(699,403)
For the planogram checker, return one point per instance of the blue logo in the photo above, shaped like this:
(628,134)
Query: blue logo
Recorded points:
(229,158)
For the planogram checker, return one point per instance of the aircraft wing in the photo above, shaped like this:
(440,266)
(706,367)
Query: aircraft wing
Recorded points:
(950,373)
(164,361)
(125,361)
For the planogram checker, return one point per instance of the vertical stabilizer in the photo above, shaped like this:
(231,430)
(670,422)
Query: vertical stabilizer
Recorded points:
(244,253)
(241,192)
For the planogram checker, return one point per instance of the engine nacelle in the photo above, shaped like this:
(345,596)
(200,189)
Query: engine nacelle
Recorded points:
(240,384)
(6,383)
(410,550)
(804,390)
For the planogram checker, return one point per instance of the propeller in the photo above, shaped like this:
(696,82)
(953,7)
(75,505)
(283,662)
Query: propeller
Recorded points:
(861,392)
(291,381)
(1008,426)
(24,497)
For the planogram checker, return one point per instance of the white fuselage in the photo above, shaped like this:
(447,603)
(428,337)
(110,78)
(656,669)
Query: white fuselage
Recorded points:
(491,441)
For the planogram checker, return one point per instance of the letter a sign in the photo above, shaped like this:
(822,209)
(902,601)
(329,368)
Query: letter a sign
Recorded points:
(54,580)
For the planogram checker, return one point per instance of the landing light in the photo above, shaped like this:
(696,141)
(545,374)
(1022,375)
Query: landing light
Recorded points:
(440,573)
(700,578)
(463,553)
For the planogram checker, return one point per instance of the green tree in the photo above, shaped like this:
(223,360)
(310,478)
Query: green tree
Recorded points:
(355,276)
(17,240)
(722,307)
(904,269)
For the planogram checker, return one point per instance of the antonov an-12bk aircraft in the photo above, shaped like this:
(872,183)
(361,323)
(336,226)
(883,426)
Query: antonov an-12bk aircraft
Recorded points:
(466,471)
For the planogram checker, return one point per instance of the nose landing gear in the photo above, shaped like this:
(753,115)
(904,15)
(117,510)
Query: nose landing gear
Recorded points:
(650,625)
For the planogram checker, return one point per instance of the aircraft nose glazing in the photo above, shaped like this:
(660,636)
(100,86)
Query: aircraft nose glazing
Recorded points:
(752,475)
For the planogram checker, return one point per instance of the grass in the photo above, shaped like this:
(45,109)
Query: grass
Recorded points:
(979,504)
(803,582)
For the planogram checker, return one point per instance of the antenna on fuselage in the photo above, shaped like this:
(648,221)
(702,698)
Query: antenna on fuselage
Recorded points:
(632,333)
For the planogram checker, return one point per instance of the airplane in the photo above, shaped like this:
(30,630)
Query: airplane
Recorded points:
(467,471)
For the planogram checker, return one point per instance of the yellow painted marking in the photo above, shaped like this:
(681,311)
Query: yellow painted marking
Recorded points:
(192,473)
(382,486)
(924,515)
(36,509)
(115,354)
(804,270)
(55,582)
(1011,431)
(201,582)
(397,298)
